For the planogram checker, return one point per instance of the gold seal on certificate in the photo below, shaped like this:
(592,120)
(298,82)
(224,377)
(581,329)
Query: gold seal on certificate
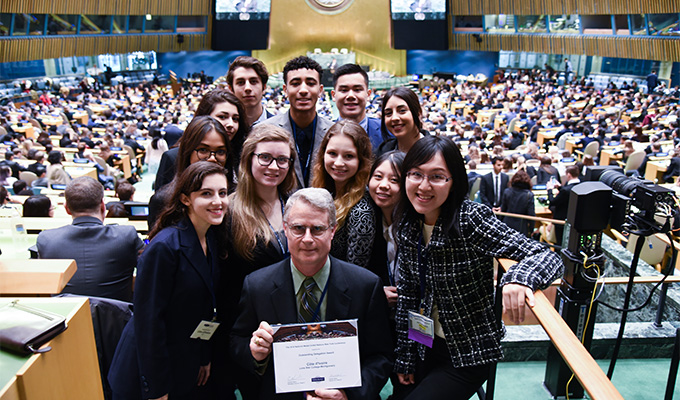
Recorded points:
(323,355)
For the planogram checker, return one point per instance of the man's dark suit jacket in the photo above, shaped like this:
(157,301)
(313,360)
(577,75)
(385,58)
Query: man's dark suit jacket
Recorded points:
(14,166)
(672,171)
(486,192)
(353,292)
(105,255)
(172,134)
(559,205)
(37,169)
(472,178)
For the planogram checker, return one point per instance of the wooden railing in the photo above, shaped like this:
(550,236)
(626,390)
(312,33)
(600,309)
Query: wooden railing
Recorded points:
(530,217)
(586,370)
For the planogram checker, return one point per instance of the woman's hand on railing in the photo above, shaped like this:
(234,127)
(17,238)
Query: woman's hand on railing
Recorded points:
(514,296)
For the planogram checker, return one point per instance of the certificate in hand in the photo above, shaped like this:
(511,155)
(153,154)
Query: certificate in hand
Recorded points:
(324,355)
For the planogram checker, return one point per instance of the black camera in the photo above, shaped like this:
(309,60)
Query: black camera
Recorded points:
(638,204)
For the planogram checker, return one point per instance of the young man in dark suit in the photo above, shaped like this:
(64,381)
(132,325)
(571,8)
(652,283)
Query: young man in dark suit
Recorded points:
(493,185)
(302,86)
(275,295)
(350,93)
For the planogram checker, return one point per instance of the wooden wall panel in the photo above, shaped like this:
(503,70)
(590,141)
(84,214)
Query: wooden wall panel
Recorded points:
(606,46)
(557,7)
(108,7)
(23,49)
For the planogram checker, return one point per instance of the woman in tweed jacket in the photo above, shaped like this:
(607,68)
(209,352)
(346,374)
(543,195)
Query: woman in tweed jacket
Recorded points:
(453,241)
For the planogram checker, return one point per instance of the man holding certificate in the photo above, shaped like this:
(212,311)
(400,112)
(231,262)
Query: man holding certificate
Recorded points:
(308,288)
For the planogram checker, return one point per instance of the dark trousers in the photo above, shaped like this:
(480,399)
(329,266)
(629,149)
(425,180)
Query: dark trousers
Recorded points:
(436,378)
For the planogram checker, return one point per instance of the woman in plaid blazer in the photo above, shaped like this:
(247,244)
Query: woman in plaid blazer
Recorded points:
(446,249)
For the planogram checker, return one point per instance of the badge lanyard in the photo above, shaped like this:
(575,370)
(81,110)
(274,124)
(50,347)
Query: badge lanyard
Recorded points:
(284,251)
(318,306)
(422,272)
(305,170)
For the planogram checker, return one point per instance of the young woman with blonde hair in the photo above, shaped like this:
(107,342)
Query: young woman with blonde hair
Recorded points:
(266,179)
(343,167)
(255,225)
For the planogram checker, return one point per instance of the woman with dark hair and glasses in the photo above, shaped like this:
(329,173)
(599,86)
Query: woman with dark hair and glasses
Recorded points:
(447,244)
(226,108)
(255,222)
(205,139)
(401,114)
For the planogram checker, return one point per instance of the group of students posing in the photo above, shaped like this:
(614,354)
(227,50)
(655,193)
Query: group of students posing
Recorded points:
(404,215)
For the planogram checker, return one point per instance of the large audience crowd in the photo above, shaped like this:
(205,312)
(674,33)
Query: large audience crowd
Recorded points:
(296,205)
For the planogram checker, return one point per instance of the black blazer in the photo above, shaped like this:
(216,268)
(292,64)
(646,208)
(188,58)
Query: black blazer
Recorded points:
(519,201)
(173,293)
(543,176)
(486,191)
(353,292)
(559,204)
(172,134)
(378,263)
(166,168)
(235,269)
(672,171)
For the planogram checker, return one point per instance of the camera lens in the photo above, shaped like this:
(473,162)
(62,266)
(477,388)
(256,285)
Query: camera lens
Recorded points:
(619,182)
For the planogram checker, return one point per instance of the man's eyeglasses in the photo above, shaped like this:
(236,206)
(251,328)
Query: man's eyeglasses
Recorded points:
(301,230)
(204,154)
(436,179)
(265,160)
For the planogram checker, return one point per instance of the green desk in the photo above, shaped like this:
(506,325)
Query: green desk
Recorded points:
(69,371)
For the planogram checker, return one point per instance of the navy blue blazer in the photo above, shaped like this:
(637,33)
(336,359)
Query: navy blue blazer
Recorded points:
(375,133)
(173,293)
(172,134)
(353,292)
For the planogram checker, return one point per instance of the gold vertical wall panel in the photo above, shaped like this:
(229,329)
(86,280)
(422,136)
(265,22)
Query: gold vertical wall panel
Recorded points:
(558,7)
(108,7)
(607,46)
(364,27)
(23,49)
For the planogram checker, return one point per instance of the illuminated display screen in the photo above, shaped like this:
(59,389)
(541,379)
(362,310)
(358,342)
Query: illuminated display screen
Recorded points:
(242,10)
(418,9)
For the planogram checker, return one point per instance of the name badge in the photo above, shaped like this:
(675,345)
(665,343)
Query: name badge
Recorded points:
(205,330)
(420,328)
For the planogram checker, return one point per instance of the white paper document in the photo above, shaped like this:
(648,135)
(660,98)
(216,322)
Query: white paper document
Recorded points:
(324,355)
